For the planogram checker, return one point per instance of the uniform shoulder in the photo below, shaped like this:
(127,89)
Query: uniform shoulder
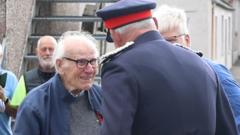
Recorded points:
(109,56)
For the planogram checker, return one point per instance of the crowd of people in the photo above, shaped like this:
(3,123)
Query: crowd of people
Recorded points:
(153,83)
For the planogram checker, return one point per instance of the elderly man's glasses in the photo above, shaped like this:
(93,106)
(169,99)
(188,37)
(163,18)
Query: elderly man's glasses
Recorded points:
(81,63)
(174,39)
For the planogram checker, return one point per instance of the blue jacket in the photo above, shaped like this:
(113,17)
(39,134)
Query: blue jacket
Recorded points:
(230,87)
(154,88)
(5,120)
(46,109)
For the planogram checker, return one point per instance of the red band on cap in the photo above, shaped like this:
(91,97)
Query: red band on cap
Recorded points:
(126,19)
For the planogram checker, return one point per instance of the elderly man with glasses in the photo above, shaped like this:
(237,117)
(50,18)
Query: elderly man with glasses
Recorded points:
(173,27)
(69,103)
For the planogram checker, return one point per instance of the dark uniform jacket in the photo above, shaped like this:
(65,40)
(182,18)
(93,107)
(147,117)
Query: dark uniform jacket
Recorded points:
(154,88)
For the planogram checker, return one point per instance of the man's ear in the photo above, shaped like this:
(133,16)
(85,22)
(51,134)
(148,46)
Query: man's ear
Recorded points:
(187,40)
(116,38)
(155,21)
(59,66)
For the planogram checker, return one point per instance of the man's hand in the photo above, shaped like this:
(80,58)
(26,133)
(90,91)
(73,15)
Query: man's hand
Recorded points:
(2,96)
(9,110)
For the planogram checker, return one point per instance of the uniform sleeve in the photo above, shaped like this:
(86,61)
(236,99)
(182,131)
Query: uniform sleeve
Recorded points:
(119,101)
(27,120)
(225,124)
(19,93)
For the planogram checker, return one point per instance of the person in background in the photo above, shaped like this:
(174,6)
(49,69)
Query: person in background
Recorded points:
(147,87)
(69,103)
(173,27)
(8,83)
(37,76)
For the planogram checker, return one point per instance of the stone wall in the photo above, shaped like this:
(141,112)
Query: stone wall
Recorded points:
(18,22)
(2,19)
(66,9)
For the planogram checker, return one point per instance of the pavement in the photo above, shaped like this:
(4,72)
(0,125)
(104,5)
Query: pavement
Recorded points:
(236,70)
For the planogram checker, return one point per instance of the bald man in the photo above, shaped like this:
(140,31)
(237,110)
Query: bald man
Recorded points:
(38,75)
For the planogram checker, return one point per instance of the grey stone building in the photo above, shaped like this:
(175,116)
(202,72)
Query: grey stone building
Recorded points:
(214,27)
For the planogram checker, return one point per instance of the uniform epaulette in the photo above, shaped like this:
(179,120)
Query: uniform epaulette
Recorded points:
(108,56)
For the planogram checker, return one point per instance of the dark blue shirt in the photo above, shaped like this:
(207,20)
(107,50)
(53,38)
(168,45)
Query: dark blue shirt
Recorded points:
(46,109)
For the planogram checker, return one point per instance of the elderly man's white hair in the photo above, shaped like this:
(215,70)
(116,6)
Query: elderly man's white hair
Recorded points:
(144,24)
(170,18)
(59,50)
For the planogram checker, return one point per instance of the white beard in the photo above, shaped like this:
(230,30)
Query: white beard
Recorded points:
(46,63)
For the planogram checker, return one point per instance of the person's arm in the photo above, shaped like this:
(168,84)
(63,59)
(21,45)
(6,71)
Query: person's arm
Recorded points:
(11,110)
(232,90)
(8,109)
(27,120)
(2,96)
(17,98)
(225,123)
(120,101)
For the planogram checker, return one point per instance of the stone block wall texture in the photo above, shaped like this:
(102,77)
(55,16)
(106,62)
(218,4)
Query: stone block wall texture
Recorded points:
(18,22)
(66,9)
(2,19)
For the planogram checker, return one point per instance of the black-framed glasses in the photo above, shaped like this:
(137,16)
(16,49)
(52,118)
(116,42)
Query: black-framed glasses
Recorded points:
(173,39)
(81,63)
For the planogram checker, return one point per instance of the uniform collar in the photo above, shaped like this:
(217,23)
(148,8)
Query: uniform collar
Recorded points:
(148,36)
(116,51)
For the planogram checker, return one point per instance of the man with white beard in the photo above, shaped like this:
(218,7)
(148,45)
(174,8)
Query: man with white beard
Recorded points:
(38,75)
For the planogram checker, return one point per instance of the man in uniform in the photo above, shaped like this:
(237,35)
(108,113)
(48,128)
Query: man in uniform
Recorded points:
(148,88)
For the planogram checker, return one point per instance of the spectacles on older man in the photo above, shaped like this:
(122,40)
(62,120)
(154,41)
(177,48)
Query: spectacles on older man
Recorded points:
(81,63)
(174,39)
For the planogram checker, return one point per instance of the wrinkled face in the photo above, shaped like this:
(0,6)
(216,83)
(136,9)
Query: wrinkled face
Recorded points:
(44,52)
(174,36)
(79,65)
